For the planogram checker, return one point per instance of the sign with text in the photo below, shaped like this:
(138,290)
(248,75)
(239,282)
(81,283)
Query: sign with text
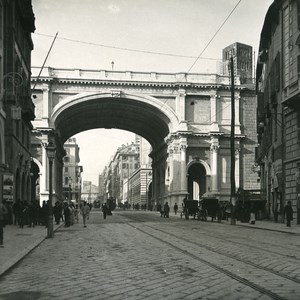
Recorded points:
(8,184)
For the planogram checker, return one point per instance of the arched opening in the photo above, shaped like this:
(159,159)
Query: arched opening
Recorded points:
(196,181)
(142,115)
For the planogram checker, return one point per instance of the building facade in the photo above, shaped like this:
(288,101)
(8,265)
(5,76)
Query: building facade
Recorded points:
(186,118)
(17,22)
(89,192)
(122,165)
(72,181)
(278,112)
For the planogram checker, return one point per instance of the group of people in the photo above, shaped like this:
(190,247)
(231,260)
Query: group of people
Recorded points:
(27,213)
(223,211)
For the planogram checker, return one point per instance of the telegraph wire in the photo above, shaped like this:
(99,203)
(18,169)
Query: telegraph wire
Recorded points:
(207,45)
(127,49)
(213,37)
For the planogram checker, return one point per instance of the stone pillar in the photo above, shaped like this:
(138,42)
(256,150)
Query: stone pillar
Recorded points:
(178,174)
(213,113)
(180,109)
(170,175)
(214,148)
(237,168)
(44,193)
(46,103)
(154,183)
(180,105)
(183,171)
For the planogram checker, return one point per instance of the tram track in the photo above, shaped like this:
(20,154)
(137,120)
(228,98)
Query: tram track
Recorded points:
(219,237)
(209,248)
(195,251)
(255,247)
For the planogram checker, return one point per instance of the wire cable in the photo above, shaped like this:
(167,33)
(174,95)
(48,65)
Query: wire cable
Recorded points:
(127,49)
(213,37)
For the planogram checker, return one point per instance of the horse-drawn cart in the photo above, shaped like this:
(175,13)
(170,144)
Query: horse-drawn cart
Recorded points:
(189,208)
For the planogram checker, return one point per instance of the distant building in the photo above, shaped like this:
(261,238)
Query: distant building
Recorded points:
(89,192)
(242,61)
(124,163)
(72,171)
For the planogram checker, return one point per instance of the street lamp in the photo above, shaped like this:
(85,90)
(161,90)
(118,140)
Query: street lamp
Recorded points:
(50,148)
(147,196)
(70,185)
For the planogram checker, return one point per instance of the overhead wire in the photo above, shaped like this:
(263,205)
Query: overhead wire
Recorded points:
(126,49)
(207,45)
(213,37)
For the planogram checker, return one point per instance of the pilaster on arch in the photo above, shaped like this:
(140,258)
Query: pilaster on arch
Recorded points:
(177,145)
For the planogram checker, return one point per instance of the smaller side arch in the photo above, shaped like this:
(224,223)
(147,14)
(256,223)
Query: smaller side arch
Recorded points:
(198,183)
(202,162)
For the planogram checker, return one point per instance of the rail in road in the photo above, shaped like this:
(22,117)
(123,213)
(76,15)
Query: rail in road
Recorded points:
(229,262)
(139,255)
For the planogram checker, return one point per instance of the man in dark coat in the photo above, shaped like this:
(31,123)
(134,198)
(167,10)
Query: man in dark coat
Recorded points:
(288,211)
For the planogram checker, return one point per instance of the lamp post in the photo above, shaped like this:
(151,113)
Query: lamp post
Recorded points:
(70,185)
(50,148)
(147,196)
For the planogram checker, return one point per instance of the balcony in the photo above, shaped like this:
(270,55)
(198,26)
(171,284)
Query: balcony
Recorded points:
(27,108)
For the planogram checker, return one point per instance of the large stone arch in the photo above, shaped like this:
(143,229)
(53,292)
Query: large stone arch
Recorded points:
(141,114)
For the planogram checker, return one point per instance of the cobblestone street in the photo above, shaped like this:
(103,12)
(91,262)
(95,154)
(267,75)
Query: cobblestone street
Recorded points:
(138,255)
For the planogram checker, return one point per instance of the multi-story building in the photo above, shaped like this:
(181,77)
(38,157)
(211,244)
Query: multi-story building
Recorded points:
(101,186)
(128,175)
(89,192)
(17,22)
(122,165)
(72,171)
(278,89)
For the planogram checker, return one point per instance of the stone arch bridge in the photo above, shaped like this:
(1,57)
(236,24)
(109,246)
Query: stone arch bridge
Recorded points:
(185,117)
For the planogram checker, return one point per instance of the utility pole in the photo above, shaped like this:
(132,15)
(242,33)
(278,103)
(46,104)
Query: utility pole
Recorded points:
(232,147)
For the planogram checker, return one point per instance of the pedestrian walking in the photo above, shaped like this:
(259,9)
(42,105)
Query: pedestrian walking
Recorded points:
(57,212)
(67,215)
(3,212)
(76,213)
(166,210)
(104,210)
(288,211)
(85,210)
(219,212)
(17,212)
(175,208)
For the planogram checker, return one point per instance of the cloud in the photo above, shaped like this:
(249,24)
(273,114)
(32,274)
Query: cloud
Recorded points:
(115,9)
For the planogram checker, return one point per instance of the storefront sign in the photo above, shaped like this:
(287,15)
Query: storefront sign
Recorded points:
(8,184)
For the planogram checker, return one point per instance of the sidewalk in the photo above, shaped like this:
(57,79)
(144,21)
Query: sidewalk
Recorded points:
(272,226)
(260,224)
(18,242)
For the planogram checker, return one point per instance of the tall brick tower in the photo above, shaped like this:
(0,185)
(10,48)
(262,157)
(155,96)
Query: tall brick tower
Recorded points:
(243,62)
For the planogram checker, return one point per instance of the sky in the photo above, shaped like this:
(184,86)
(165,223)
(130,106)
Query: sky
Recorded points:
(139,35)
